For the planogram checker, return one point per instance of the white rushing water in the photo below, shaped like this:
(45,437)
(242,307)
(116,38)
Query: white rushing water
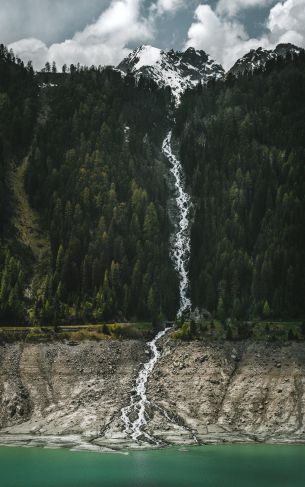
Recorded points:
(139,401)
(133,415)
(181,238)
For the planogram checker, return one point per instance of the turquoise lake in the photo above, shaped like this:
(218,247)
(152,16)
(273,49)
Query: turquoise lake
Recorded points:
(207,466)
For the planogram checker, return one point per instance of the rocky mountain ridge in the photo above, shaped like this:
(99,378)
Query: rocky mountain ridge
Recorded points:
(178,70)
(184,70)
(258,58)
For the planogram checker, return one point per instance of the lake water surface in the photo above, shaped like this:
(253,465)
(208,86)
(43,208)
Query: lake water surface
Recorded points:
(206,466)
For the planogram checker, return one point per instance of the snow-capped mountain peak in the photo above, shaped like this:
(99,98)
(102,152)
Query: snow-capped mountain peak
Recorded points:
(144,56)
(179,70)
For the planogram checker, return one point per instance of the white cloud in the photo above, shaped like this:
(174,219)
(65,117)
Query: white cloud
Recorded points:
(225,38)
(31,49)
(287,21)
(48,20)
(232,7)
(102,42)
(162,6)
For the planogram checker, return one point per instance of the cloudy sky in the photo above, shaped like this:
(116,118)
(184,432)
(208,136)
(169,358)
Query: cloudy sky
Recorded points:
(104,31)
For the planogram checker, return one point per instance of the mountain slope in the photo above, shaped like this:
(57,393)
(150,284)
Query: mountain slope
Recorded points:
(243,150)
(96,180)
(178,70)
(258,58)
(18,109)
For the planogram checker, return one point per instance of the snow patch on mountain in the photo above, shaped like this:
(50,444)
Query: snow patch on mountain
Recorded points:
(178,70)
(150,56)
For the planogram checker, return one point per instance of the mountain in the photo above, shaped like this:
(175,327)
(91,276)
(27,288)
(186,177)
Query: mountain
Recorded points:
(85,195)
(257,58)
(179,70)
(183,70)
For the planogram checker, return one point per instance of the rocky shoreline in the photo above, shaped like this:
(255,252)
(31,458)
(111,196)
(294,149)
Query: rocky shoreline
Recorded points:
(65,395)
(78,443)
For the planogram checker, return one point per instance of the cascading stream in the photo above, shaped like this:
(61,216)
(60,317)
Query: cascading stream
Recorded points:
(139,400)
(180,253)
(181,238)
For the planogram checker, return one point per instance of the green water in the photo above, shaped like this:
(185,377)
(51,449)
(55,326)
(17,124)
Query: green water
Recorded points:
(210,466)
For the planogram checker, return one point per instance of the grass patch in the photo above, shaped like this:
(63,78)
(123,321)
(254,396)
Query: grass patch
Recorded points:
(96,332)
(278,331)
(233,330)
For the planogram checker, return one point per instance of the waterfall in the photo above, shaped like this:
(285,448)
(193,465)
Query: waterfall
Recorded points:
(133,415)
(181,246)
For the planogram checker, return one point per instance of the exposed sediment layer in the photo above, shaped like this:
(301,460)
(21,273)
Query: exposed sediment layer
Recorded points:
(62,395)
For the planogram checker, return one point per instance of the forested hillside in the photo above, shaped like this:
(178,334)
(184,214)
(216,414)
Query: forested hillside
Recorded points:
(82,150)
(18,103)
(243,150)
(95,178)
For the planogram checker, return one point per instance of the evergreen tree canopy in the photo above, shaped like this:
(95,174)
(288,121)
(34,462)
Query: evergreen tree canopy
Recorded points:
(242,143)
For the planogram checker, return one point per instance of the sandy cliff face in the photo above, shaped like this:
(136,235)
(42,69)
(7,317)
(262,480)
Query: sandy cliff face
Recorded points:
(72,395)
